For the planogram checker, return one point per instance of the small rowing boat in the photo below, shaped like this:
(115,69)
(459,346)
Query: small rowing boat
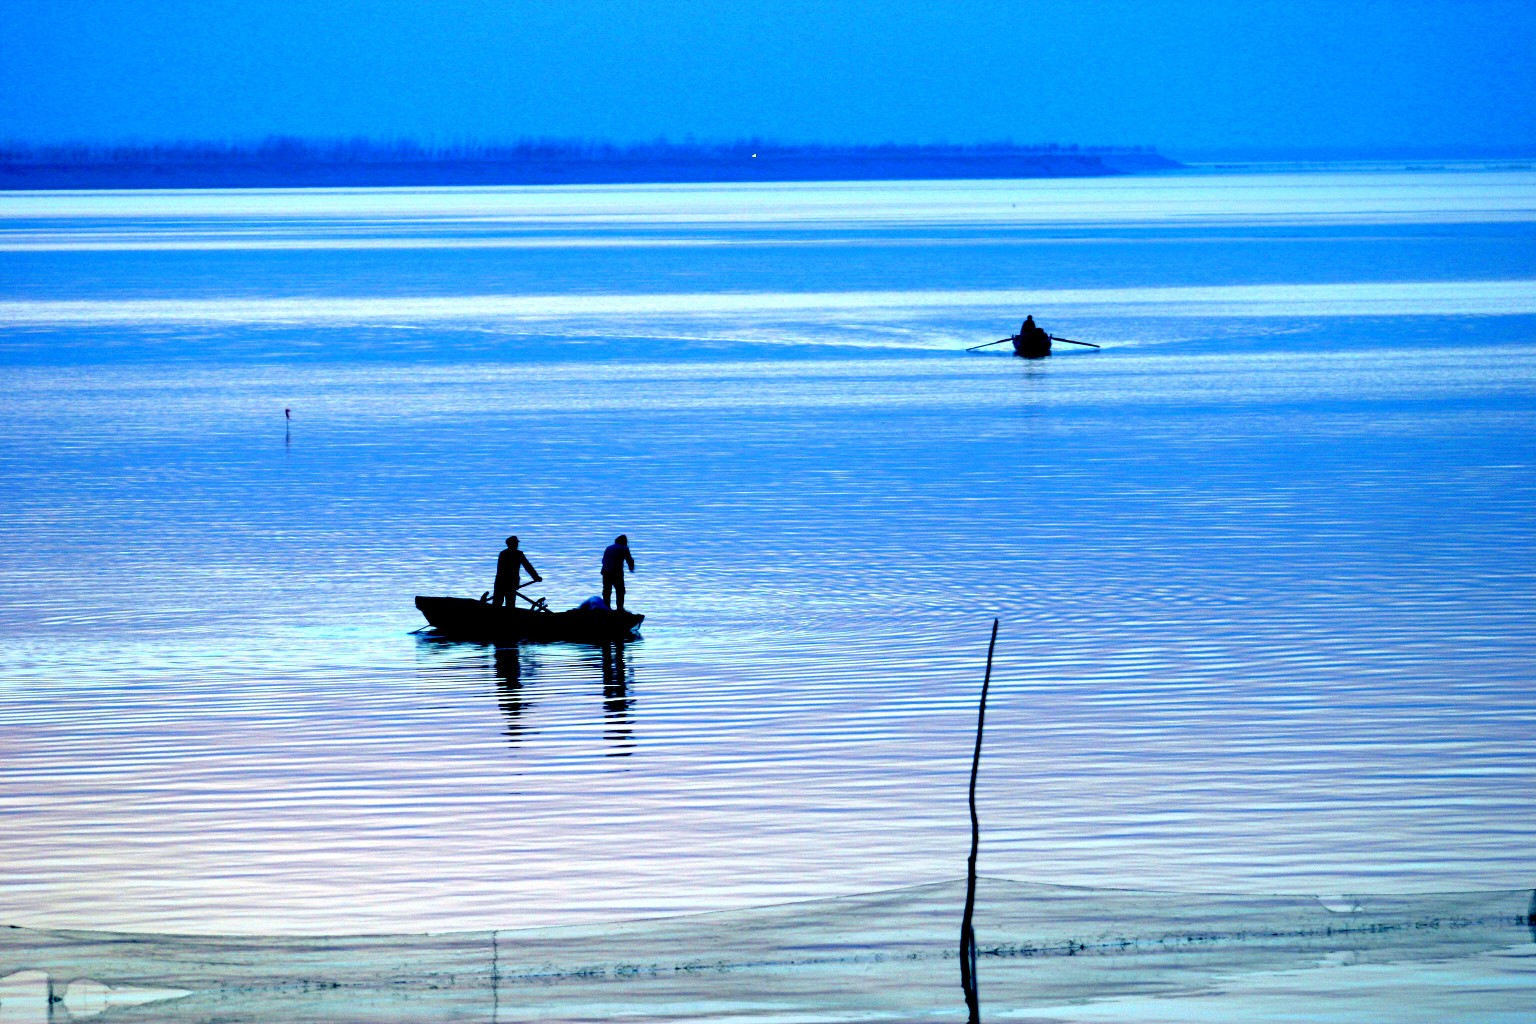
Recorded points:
(462,618)
(1030,343)
(1037,346)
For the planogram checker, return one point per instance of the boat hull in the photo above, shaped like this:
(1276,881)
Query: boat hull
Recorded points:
(460,618)
(1031,348)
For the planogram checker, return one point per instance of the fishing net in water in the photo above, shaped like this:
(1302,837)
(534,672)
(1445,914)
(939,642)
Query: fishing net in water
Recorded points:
(882,956)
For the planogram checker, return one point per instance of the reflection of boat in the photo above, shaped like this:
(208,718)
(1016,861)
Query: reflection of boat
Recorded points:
(461,618)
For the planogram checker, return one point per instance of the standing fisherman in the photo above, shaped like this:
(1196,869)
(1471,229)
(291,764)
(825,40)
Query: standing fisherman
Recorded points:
(615,557)
(509,573)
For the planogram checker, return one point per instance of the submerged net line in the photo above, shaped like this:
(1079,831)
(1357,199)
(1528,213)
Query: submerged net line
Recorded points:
(890,953)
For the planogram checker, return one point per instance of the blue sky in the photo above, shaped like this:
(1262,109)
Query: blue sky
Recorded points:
(1186,76)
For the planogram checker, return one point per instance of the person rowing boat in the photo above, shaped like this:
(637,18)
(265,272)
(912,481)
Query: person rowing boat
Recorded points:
(509,571)
(1032,341)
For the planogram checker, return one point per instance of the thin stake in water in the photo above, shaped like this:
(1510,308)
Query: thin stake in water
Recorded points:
(967,933)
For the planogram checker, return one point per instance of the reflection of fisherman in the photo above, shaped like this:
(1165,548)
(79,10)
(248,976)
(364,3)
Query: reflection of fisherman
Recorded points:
(1031,331)
(615,557)
(509,572)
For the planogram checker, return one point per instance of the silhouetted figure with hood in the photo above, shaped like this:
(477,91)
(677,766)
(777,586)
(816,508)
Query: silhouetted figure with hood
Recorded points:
(509,574)
(615,557)
(1031,331)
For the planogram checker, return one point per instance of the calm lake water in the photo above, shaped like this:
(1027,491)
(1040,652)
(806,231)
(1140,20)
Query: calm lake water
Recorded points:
(1263,563)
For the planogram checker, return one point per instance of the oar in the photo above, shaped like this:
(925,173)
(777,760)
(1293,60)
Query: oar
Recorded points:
(999,341)
(537,605)
(1069,341)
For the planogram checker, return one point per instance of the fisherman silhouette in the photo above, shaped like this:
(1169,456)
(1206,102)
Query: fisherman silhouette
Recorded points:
(615,557)
(509,573)
(1031,342)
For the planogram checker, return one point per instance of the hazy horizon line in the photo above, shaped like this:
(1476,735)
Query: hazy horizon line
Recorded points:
(408,147)
(412,148)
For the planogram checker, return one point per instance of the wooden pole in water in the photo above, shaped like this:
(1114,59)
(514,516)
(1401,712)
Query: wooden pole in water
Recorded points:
(967,932)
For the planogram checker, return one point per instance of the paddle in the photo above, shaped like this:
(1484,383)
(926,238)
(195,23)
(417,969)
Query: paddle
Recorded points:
(540,605)
(999,341)
(536,605)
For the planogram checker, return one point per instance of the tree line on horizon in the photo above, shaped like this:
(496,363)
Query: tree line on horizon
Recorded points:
(293,150)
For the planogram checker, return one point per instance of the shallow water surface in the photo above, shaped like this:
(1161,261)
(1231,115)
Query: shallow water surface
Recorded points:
(1262,562)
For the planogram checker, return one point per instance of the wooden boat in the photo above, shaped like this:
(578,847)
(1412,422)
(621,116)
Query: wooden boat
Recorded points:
(1037,347)
(1035,344)
(462,618)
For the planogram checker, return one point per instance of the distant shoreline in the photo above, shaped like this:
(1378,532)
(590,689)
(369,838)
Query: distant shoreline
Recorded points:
(289,163)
